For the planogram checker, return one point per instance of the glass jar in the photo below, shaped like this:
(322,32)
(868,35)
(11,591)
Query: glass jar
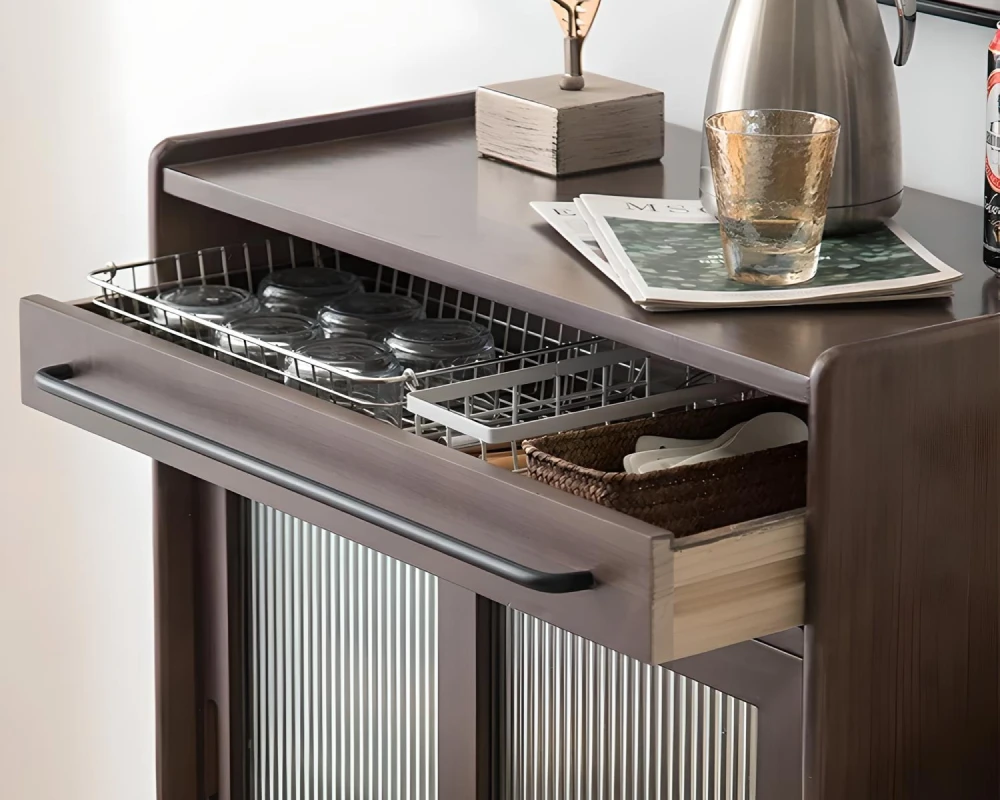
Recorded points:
(368,316)
(433,344)
(305,290)
(355,357)
(218,304)
(286,331)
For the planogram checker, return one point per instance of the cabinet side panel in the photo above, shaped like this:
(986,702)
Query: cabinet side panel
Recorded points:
(903,579)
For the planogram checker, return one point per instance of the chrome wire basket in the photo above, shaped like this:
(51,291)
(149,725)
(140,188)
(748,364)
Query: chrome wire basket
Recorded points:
(523,340)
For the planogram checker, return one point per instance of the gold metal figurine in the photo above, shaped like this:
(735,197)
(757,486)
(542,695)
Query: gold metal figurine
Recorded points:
(576,18)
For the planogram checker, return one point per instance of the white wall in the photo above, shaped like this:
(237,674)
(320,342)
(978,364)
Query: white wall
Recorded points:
(87,88)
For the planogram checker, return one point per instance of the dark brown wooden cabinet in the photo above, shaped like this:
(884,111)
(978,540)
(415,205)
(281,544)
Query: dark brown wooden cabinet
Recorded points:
(892,569)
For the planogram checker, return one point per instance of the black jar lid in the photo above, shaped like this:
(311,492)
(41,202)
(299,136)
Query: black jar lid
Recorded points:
(214,303)
(200,298)
(309,282)
(289,330)
(368,314)
(440,338)
(356,356)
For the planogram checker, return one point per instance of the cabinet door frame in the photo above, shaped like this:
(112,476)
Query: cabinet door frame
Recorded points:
(201,733)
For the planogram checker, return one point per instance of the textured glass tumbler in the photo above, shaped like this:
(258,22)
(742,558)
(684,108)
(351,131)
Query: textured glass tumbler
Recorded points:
(772,171)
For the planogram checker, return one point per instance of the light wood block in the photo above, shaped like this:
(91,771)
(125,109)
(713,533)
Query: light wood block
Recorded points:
(536,125)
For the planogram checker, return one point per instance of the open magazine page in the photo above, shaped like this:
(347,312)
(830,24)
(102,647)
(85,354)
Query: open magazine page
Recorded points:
(671,253)
(567,221)
(625,279)
(572,226)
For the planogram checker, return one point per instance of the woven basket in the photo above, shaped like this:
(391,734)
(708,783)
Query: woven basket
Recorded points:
(686,500)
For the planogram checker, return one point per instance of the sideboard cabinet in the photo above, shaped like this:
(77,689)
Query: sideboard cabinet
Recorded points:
(347,608)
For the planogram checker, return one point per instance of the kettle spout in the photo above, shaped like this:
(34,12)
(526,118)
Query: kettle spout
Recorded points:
(907,10)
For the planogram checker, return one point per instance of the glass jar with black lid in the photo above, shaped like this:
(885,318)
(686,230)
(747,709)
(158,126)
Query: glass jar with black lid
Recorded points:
(305,290)
(359,370)
(218,304)
(245,336)
(438,344)
(368,316)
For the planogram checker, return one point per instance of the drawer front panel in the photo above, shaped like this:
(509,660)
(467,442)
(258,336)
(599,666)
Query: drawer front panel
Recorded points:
(469,501)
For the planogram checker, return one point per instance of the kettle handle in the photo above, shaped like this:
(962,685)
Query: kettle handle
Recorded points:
(907,10)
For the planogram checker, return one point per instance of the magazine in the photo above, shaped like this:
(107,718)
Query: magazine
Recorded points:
(667,255)
(569,223)
(672,253)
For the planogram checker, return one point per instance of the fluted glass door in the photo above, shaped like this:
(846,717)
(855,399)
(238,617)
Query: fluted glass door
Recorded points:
(343,701)
(587,723)
(343,668)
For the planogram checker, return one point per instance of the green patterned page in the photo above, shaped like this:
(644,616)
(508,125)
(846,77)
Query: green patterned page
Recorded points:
(689,256)
(676,257)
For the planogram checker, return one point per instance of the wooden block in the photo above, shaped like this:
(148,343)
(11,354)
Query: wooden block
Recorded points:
(536,125)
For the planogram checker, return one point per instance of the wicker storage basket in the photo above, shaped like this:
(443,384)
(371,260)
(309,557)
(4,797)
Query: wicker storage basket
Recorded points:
(686,500)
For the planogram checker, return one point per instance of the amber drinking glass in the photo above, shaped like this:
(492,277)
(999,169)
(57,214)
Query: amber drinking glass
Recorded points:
(772,171)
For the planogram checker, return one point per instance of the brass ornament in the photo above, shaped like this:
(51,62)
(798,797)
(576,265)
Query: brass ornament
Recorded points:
(576,18)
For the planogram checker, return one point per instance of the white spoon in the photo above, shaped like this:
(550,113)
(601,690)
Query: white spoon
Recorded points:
(663,443)
(640,462)
(761,433)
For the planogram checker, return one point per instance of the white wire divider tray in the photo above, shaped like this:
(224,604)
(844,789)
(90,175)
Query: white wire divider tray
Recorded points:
(524,341)
(575,392)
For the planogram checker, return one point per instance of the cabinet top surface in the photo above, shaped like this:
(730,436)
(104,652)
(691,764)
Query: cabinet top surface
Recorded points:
(420,200)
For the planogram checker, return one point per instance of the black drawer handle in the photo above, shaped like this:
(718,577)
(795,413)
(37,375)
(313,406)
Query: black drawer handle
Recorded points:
(54,381)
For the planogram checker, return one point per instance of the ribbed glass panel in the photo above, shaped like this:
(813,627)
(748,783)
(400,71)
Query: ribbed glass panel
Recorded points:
(343,702)
(343,667)
(587,723)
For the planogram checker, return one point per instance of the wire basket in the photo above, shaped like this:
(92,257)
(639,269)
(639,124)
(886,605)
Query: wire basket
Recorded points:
(523,340)
(566,394)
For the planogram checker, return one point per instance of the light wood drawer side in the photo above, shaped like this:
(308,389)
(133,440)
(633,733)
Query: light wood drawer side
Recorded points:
(727,586)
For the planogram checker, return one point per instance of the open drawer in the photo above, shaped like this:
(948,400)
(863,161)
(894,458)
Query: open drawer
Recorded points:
(595,572)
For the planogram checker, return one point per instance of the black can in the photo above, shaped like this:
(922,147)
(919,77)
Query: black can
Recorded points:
(991,197)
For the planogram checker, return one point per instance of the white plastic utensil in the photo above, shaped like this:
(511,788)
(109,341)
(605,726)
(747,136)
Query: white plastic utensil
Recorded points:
(668,456)
(761,433)
(662,462)
(663,443)
(633,461)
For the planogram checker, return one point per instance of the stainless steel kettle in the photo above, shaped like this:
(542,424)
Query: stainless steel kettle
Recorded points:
(829,56)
